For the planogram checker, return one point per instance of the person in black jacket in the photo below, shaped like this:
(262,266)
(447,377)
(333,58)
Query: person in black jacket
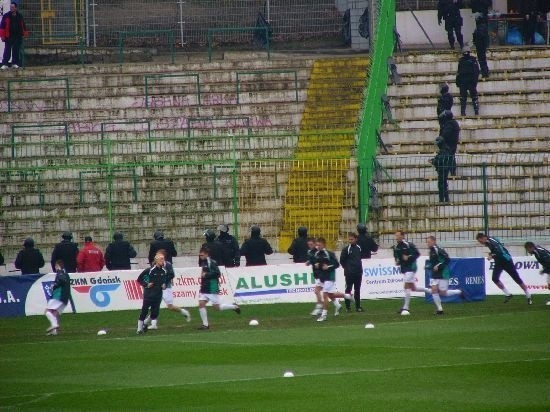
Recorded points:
(255,248)
(450,134)
(449,10)
(299,248)
(66,251)
(153,280)
(160,242)
(529,10)
(1,259)
(215,248)
(119,253)
(29,260)
(444,163)
(12,31)
(543,257)
(444,101)
(481,41)
(365,242)
(466,79)
(480,10)
(350,260)
(230,248)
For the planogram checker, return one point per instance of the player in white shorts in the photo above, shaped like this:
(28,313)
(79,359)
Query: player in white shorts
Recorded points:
(167,294)
(61,294)
(210,288)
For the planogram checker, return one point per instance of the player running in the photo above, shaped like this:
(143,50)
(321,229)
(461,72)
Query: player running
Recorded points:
(406,254)
(210,288)
(543,257)
(61,294)
(438,264)
(326,263)
(503,261)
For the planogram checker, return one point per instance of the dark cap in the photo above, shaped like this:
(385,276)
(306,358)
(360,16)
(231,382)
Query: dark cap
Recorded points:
(88,239)
(158,235)
(67,235)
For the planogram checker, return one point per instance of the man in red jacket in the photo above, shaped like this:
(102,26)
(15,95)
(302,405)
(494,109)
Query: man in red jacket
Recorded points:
(90,258)
(12,31)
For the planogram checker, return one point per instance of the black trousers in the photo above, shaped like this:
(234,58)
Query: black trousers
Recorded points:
(472,90)
(507,267)
(354,282)
(12,49)
(150,303)
(442,183)
(452,28)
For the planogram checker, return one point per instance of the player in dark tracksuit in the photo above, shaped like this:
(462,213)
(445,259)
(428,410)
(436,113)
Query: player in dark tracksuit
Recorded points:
(350,260)
(543,257)
(311,260)
(449,10)
(210,288)
(503,261)
(406,254)
(153,280)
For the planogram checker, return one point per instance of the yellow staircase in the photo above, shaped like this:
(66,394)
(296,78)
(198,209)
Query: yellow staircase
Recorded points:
(317,184)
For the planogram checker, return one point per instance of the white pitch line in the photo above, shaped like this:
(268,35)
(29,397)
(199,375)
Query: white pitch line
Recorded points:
(328,373)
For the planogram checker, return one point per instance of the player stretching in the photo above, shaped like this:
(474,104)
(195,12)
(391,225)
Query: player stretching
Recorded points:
(543,257)
(405,254)
(326,263)
(61,294)
(210,288)
(167,294)
(503,261)
(440,273)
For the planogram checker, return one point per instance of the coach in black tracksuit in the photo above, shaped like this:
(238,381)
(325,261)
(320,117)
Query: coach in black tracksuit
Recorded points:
(159,243)
(350,260)
(298,249)
(66,251)
(119,253)
(255,248)
(467,77)
(153,280)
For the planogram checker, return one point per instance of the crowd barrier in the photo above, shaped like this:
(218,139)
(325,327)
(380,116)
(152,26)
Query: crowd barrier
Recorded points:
(287,283)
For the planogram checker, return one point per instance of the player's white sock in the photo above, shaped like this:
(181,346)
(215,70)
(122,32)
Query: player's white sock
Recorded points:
(506,291)
(204,316)
(337,303)
(454,292)
(140,325)
(348,296)
(427,291)
(228,307)
(147,320)
(324,312)
(527,294)
(53,320)
(154,323)
(185,312)
(437,301)
(407,300)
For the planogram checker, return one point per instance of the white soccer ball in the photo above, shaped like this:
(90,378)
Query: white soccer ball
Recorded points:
(101,332)
(405,312)
(548,303)
(253,322)
(369,326)
(288,374)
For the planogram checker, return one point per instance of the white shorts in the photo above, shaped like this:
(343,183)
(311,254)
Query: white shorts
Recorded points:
(409,277)
(168,296)
(54,304)
(318,283)
(442,284)
(210,297)
(329,286)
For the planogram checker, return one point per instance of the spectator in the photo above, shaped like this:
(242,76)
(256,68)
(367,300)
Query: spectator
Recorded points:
(160,242)
(481,41)
(299,248)
(365,242)
(449,10)
(29,260)
(230,248)
(480,10)
(90,258)
(255,248)
(529,10)
(119,253)
(66,251)
(450,130)
(466,79)
(444,101)
(12,31)
(215,248)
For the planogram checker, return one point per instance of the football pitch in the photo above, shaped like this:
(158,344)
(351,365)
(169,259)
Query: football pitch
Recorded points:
(485,356)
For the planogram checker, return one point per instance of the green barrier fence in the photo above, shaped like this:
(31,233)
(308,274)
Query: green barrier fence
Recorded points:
(122,35)
(150,77)
(261,74)
(11,82)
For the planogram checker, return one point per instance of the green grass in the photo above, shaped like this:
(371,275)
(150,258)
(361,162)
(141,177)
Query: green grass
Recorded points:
(487,356)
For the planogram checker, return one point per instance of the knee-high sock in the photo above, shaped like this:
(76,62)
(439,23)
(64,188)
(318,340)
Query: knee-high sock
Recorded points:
(204,316)
(407,301)
(53,320)
(454,292)
(185,312)
(140,325)
(437,301)
(228,307)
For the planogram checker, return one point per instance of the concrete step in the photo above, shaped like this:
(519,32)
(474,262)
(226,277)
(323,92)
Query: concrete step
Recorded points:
(494,52)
